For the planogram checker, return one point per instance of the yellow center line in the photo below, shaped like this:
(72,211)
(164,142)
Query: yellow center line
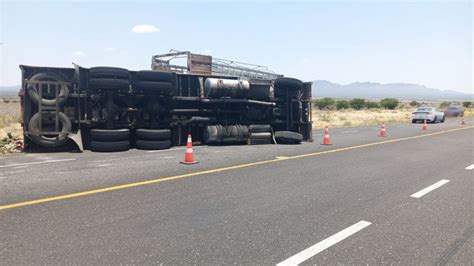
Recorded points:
(216,170)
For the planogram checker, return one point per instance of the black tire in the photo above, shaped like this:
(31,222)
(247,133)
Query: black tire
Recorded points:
(109,72)
(153,134)
(288,83)
(110,135)
(261,135)
(47,76)
(150,75)
(109,83)
(33,126)
(413,121)
(288,137)
(112,146)
(259,141)
(444,118)
(153,145)
(260,128)
(156,86)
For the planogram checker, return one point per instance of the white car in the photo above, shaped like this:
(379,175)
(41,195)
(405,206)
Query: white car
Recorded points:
(430,114)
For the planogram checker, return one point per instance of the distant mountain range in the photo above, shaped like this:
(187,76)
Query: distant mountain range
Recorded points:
(372,90)
(9,90)
(367,90)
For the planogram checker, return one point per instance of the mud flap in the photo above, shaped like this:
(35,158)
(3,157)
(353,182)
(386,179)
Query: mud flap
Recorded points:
(77,138)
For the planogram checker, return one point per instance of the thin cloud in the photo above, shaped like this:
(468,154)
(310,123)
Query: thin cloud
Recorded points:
(79,54)
(110,50)
(144,29)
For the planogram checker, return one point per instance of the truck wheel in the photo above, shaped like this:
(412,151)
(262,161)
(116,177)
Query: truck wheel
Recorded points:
(260,128)
(288,137)
(47,76)
(109,83)
(33,126)
(288,83)
(110,135)
(153,145)
(109,72)
(150,75)
(153,134)
(111,146)
(156,86)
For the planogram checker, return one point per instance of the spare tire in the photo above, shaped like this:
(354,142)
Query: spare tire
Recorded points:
(47,76)
(109,72)
(156,86)
(288,137)
(153,144)
(33,126)
(109,83)
(150,75)
(288,83)
(111,146)
(153,134)
(260,128)
(110,135)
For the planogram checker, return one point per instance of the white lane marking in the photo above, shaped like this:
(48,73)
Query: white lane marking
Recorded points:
(103,165)
(427,190)
(20,167)
(470,167)
(48,161)
(281,157)
(325,244)
(168,157)
(349,131)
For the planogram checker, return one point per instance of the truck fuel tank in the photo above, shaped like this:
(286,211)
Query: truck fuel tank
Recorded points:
(230,88)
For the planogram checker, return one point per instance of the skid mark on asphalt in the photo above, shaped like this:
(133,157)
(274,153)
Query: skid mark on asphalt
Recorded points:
(325,244)
(218,170)
(427,190)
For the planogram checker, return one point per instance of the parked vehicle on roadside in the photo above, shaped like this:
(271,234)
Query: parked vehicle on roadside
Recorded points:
(430,114)
(454,111)
(108,109)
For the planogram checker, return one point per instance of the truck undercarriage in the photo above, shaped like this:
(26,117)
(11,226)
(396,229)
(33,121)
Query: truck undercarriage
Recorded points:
(114,109)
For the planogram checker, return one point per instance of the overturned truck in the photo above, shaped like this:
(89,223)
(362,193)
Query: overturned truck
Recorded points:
(114,109)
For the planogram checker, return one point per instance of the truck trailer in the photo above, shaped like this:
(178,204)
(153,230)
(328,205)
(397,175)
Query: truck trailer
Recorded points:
(106,109)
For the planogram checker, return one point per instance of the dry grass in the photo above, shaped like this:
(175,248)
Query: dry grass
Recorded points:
(10,118)
(354,118)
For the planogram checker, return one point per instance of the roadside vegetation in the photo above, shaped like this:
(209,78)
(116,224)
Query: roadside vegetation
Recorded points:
(11,136)
(362,112)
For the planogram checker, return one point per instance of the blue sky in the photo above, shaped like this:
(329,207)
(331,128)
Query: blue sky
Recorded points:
(429,43)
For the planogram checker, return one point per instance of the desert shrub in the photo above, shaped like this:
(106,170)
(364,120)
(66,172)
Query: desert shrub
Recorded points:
(325,103)
(342,104)
(414,104)
(372,105)
(5,100)
(467,104)
(389,103)
(444,104)
(357,103)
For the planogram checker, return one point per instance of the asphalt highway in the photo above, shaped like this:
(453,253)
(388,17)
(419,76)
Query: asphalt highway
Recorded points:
(403,199)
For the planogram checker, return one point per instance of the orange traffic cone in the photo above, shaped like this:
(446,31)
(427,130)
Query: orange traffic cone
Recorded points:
(189,155)
(326,137)
(462,121)
(425,126)
(382,131)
